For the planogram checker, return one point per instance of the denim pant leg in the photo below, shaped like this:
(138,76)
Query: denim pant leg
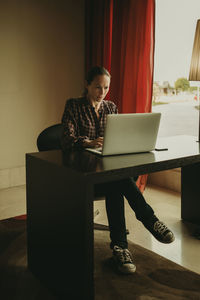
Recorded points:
(129,189)
(114,192)
(115,213)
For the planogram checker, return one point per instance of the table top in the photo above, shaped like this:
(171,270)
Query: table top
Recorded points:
(182,151)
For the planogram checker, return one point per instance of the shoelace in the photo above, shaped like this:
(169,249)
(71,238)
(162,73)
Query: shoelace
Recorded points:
(124,255)
(160,227)
(127,256)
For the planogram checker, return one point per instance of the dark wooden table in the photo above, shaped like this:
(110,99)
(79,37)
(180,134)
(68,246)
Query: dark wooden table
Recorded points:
(60,206)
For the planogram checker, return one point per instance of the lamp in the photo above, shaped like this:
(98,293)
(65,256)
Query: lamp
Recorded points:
(194,74)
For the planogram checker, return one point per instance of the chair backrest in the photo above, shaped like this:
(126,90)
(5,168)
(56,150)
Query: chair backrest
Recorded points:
(50,138)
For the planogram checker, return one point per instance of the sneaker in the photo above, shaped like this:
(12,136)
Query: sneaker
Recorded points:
(123,260)
(160,231)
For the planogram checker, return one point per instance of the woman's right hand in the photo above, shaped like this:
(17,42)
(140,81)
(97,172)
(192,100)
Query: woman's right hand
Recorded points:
(93,143)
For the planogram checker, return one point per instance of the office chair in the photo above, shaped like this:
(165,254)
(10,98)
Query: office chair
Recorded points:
(49,139)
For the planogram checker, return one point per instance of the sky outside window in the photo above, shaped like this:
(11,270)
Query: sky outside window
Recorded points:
(174,35)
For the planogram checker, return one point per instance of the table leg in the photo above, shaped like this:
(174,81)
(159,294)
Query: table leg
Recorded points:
(190,193)
(60,229)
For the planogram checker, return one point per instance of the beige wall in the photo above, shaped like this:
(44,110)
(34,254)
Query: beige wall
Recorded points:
(169,179)
(41,65)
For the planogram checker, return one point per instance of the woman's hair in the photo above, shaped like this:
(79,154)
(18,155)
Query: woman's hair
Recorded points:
(95,71)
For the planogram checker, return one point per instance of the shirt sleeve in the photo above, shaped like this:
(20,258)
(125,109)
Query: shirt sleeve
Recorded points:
(71,133)
(113,107)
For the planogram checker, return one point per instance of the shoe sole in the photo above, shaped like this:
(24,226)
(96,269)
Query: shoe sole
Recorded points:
(127,272)
(165,242)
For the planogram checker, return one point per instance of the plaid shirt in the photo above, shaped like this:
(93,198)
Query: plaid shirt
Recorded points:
(80,121)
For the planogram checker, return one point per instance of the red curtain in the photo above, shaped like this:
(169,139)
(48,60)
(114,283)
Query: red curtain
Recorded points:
(132,55)
(120,37)
(98,41)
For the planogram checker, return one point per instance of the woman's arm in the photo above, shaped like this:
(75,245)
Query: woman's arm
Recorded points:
(71,133)
(71,137)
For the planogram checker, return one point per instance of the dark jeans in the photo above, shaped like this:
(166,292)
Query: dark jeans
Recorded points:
(114,192)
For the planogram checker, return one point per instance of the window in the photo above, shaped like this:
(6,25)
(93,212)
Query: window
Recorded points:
(173,95)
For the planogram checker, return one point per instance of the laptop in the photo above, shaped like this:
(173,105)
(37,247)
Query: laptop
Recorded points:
(129,133)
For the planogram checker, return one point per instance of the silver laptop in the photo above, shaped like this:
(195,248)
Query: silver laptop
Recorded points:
(129,133)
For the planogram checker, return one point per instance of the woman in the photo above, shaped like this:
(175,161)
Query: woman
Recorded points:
(83,122)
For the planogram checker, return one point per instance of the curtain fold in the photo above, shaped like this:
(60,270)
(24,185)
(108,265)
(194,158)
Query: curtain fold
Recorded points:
(133,55)
(98,37)
(120,35)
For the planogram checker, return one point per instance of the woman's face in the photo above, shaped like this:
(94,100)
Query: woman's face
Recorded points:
(98,88)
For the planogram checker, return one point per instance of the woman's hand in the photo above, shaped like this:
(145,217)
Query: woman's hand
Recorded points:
(93,143)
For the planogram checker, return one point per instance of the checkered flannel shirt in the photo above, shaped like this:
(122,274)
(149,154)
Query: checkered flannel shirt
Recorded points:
(80,121)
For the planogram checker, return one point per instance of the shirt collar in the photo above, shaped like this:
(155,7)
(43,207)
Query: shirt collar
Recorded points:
(87,102)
